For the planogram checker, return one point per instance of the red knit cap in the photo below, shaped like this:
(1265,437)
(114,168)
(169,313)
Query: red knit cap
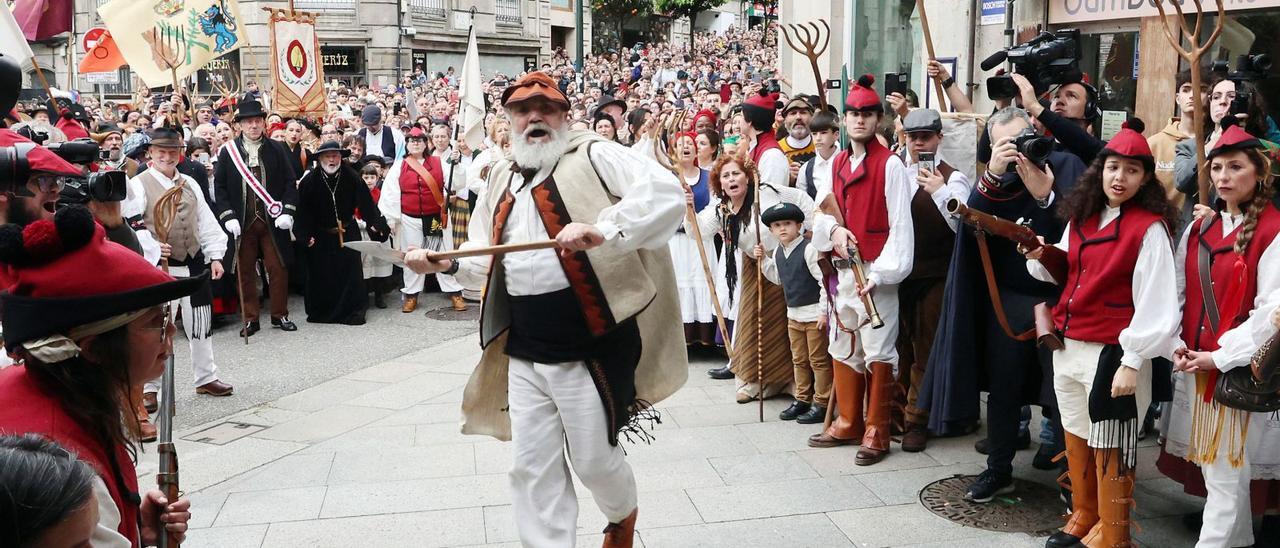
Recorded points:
(64,273)
(1234,138)
(39,159)
(704,113)
(1130,142)
(767,101)
(863,97)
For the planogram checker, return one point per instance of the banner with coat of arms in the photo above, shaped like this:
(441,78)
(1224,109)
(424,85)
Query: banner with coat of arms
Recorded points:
(160,37)
(298,76)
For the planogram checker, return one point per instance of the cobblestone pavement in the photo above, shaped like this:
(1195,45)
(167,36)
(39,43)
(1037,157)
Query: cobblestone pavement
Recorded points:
(374,458)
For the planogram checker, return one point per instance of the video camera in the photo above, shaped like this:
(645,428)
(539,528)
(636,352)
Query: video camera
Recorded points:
(1249,68)
(13,164)
(103,186)
(1046,60)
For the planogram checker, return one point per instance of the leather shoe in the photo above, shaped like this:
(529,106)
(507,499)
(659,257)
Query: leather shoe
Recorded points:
(621,534)
(215,388)
(146,430)
(284,324)
(815,415)
(1044,458)
(916,439)
(250,328)
(796,409)
(379,299)
(720,373)
(823,440)
(150,402)
(1062,539)
(459,305)
(410,304)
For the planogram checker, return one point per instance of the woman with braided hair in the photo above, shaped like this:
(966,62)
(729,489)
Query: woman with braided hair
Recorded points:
(1226,253)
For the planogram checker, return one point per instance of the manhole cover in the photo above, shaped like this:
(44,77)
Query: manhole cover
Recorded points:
(223,433)
(1032,508)
(448,314)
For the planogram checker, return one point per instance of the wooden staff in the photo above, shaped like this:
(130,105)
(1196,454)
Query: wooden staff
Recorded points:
(755,213)
(1193,60)
(491,250)
(812,50)
(692,216)
(928,45)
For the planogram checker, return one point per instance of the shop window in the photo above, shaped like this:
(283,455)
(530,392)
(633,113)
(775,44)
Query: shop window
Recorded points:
(1111,61)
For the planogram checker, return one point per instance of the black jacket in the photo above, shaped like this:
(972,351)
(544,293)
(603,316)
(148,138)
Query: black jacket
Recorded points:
(233,193)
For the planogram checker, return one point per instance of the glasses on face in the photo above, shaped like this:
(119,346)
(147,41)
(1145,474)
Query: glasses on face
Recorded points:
(47,183)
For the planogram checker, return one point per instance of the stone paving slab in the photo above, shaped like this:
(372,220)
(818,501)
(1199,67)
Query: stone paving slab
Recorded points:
(375,458)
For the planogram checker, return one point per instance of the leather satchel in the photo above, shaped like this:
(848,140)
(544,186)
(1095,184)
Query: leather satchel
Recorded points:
(1255,388)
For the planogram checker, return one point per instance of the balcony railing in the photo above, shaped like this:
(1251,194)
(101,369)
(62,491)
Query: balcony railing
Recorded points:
(508,13)
(429,8)
(348,6)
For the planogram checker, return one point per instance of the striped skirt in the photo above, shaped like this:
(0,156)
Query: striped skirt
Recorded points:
(459,218)
(777,368)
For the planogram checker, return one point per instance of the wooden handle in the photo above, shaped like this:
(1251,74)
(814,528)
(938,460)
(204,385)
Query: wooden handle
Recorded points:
(492,250)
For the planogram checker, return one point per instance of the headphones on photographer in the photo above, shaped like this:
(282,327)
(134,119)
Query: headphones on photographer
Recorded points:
(1091,110)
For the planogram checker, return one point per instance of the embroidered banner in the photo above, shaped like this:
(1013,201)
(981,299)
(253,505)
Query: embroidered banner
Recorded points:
(297,73)
(156,36)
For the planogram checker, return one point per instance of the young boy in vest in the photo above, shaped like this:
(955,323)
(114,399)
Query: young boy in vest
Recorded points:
(794,266)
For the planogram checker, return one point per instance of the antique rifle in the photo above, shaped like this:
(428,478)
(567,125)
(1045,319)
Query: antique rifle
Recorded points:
(855,264)
(167,477)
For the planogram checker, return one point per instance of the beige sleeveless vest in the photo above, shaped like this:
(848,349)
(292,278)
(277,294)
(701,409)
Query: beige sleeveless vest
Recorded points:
(184,234)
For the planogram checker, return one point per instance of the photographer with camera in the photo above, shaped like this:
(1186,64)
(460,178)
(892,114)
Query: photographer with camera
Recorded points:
(31,179)
(1069,117)
(1025,179)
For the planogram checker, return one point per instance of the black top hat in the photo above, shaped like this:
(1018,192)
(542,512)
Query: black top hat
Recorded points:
(249,108)
(331,146)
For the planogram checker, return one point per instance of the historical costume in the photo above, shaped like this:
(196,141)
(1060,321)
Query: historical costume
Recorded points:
(577,345)
(174,209)
(770,161)
(327,206)
(1238,452)
(1116,313)
(413,199)
(696,310)
(256,195)
(870,198)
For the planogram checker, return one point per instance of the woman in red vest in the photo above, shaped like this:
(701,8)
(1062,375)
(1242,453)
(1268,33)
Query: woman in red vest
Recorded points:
(83,333)
(1117,312)
(1235,245)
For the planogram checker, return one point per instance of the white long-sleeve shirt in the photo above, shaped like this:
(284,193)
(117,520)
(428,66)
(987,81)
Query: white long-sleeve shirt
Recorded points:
(455,175)
(804,313)
(821,172)
(475,183)
(956,186)
(1155,314)
(650,209)
(1237,345)
(774,167)
(213,241)
(894,262)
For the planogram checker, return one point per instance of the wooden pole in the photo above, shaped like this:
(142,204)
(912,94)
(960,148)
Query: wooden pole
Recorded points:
(928,44)
(43,82)
(755,214)
(492,250)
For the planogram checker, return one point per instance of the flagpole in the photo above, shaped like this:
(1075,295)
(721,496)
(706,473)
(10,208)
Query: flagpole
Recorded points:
(43,82)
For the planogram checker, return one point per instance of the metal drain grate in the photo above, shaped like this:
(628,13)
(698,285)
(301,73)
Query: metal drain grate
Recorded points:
(448,314)
(1032,508)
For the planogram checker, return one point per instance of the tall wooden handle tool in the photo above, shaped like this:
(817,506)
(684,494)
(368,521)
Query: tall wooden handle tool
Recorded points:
(755,214)
(811,48)
(1193,55)
(492,250)
(928,44)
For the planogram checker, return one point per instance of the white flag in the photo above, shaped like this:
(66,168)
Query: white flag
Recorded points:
(12,42)
(471,96)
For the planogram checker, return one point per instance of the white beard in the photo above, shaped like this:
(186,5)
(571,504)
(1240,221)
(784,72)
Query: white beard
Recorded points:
(330,170)
(541,155)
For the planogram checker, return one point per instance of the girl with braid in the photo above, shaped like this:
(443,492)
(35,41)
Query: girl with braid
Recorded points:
(1116,314)
(1221,329)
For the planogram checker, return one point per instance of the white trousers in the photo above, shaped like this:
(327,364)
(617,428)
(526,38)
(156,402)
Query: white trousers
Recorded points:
(869,344)
(551,405)
(1073,369)
(1228,519)
(411,236)
(203,368)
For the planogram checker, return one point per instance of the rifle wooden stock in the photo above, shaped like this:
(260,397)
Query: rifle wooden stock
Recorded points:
(1053,259)
(167,481)
(829,207)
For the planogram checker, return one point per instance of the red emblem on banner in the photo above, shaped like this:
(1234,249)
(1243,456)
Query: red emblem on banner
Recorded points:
(297,59)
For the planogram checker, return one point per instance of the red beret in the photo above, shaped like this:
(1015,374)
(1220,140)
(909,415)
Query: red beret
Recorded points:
(1130,142)
(1234,138)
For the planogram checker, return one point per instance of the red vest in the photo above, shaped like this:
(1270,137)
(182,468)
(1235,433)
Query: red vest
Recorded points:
(861,195)
(1196,332)
(764,141)
(415,198)
(25,408)
(1097,297)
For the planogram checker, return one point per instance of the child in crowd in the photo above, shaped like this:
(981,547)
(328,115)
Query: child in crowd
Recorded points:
(377,271)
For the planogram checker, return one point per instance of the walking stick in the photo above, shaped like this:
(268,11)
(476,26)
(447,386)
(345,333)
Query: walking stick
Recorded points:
(244,315)
(1192,56)
(692,216)
(928,44)
(811,49)
(755,213)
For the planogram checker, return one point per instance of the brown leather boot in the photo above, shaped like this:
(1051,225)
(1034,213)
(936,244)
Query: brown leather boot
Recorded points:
(880,392)
(1115,498)
(1084,492)
(850,388)
(621,535)
(459,305)
(410,304)
(146,430)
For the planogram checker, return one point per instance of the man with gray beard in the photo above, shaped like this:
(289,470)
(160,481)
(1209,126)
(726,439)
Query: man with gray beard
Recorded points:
(330,197)
(562,330)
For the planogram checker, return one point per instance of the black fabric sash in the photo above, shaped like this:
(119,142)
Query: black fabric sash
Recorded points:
(1115,420)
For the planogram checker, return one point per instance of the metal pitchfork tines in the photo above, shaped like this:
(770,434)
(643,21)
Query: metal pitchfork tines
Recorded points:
(811,49)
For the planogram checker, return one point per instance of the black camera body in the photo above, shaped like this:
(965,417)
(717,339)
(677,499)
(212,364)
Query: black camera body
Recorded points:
(14,166)
(1249,68)
(1046,60)
(1034,146)
(103,186)
(80,151)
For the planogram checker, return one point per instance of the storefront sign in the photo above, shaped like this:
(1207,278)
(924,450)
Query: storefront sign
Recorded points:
(106,78)
(342,59)
(993,12)
(1078,11)
(419,59)
(221,72)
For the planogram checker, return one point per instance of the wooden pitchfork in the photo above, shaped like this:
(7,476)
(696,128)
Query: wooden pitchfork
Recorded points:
(811,48)
(1192,56)
(171,47)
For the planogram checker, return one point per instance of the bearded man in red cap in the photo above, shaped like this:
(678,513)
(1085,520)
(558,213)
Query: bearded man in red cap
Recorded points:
(868,206)
(771,162)
(42,171)
(562,330)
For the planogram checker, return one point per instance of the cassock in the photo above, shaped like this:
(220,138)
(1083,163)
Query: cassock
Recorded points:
(327,206)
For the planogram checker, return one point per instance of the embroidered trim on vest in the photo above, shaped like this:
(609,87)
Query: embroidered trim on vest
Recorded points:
(577,268)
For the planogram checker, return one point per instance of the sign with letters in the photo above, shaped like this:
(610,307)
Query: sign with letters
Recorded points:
(1079,11)
(993,12)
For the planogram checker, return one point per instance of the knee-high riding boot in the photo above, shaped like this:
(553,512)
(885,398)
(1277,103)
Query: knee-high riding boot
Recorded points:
(850,389)
(880,389)
(1115,498)
(1084,493)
